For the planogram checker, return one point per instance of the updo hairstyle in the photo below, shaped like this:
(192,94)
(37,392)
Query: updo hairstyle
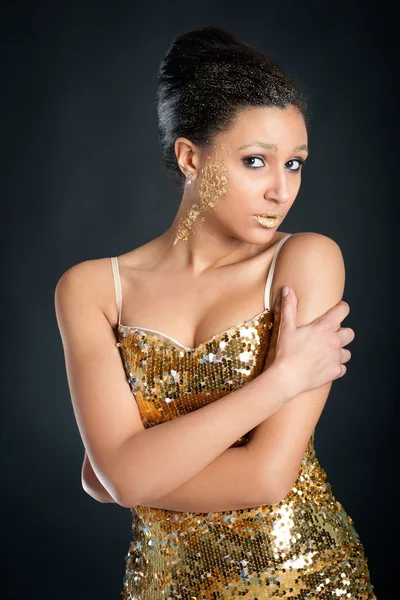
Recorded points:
(206,77)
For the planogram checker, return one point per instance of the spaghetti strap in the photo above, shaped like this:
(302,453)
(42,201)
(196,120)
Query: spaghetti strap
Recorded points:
(117,285)
(268,284)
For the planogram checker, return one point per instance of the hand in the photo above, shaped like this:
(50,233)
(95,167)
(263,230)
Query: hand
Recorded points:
(310,355)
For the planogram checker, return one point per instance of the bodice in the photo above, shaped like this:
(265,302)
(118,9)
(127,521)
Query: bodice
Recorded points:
(169,380)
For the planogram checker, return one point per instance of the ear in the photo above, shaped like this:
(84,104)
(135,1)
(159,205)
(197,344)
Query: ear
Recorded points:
(188,156)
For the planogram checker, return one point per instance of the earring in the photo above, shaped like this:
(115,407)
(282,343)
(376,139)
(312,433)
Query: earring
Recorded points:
(189,179)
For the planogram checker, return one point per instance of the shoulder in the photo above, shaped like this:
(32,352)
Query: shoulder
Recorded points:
(311,245)
(84,286)
(313,265)
(84,275)
(309,250)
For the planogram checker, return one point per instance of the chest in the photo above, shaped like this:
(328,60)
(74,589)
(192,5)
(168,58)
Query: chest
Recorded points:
(168,380)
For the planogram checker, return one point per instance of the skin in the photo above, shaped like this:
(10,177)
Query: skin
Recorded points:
(185,290)
(213,185)
(269,183)
(196,279)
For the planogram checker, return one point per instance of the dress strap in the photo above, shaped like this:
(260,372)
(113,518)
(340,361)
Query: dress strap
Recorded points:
(268,284)
(117,285)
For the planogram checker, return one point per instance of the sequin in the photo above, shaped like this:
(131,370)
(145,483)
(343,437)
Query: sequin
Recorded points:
(305,546)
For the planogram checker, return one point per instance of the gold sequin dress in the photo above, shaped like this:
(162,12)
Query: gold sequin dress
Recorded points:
(302,547)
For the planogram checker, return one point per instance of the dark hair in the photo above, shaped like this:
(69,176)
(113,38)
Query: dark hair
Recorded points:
(205,78)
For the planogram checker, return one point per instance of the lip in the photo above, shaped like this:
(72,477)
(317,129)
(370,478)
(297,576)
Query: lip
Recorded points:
(269,220)
(270,215)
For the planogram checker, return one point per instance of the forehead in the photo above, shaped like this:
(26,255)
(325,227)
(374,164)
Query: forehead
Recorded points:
(282,126)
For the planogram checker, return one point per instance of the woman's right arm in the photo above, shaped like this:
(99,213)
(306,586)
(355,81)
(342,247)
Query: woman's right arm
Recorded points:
(92,485)
(134,463)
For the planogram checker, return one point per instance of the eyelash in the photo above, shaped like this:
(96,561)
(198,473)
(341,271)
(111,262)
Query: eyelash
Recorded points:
(259,158)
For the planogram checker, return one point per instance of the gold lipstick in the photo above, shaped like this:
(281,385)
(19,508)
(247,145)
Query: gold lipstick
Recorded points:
(269,220)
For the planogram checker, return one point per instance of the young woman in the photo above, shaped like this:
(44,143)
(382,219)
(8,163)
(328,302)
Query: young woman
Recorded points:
(211,443)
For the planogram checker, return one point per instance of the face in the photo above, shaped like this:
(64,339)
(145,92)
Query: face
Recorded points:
(261,156)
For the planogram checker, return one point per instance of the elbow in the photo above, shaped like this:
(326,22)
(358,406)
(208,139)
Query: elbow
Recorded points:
(121,494)
(92,492)
(131,498)
(125,496)
(104,492)
(126,500)
(133,491)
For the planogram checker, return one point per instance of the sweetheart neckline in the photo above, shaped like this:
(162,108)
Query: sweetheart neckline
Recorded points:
(196,348)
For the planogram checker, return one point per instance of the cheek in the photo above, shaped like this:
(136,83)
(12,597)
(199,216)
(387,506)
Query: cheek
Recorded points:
(294,183)
(240,182)
(235,206)
(243,192)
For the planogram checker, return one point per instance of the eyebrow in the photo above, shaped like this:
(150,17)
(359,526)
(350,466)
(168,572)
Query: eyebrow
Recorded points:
(270,146)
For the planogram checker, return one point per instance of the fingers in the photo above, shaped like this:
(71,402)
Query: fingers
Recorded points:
(346,356)
(334,315)
(288,308)
(346,335)
(343,370)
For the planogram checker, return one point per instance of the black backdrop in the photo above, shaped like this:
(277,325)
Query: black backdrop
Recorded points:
(83,180)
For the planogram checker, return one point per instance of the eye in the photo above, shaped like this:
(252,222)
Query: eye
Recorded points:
(297,164)
(246,159)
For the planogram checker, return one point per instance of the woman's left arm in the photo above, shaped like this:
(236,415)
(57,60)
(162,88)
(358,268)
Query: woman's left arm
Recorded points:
(312,264)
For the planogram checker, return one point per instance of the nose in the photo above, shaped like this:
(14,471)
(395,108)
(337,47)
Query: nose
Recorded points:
(278,186)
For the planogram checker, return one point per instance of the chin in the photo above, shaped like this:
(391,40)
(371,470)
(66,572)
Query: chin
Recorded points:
(256,237)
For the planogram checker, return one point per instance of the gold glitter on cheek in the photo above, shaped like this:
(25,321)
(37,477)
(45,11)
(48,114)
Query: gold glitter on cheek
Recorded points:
(213,185)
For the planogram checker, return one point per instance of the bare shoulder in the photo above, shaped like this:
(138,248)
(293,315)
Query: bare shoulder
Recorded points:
(309,247)
(83,288)
(92,280)
(313,265)
(86,273)
(309,250)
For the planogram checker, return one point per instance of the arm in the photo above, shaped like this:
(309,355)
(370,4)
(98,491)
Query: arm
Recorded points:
(219,486)
(277,445)
(136,465)
(92,485)
(312,264)
(167,455)
(215,488)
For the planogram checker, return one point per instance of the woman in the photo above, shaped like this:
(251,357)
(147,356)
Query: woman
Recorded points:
(211,443)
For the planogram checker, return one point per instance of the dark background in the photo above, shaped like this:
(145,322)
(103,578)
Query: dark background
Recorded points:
(83,180)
